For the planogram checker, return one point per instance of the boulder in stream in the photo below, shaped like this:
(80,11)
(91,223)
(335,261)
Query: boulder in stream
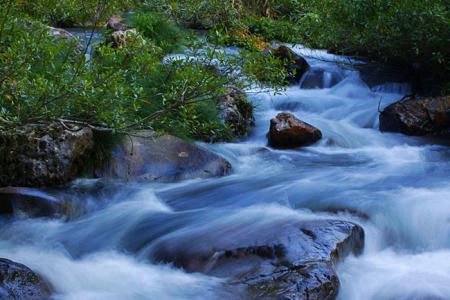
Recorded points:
(236,112)
(19,282)
(286,131)
(281,260)
(418,116)
(43,155)
(147,156)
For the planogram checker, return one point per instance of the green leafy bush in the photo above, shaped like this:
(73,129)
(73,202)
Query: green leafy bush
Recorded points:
(46,79)
(69,13)
(159,29)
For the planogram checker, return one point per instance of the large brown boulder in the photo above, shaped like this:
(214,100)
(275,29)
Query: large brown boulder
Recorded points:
(146,156)
(19,282)
(295,64)
(418,116)
(286,131)
(43,155)
(236,112)
(279,260)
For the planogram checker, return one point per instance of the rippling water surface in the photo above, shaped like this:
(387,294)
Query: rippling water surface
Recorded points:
(396,187)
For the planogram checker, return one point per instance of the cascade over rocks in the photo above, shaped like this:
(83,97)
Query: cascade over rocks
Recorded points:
(19,282)
(317,78)
(278,260)
(286,131)
(43,155)
(295,64)
(236,112)
(418,116)
(146,156)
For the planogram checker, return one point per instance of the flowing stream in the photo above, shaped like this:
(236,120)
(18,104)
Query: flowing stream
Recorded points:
(396,187)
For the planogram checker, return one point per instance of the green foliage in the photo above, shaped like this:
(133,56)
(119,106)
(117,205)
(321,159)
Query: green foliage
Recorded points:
(69,13)
(402,32)
(44,79)
(198,14)
(273,29)
(158,29)
(405,31)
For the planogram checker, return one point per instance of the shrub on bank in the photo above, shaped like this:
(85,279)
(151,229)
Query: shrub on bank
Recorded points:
(120,89)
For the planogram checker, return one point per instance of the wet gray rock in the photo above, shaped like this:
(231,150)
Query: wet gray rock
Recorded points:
(295,64)
(286,131)
(148,157)
(19,282)
(29,201)
(236,112)
(43,155)
(418,116)
(282,260)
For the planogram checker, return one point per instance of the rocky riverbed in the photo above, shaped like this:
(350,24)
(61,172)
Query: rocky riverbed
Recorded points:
(314,202)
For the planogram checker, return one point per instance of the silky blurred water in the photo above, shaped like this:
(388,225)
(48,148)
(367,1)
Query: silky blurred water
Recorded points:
(396,187)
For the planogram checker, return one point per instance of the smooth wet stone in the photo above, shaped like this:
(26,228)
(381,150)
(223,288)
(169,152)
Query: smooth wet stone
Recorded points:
(29,201)
(147,157)
(418,116)
(286,131)
(282,260)
(20,282)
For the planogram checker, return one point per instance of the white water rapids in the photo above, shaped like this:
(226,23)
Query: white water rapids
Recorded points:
(396,187)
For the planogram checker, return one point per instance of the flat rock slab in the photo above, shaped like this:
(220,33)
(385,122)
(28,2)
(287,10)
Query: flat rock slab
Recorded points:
(147,157)
(283,260)
(20,282)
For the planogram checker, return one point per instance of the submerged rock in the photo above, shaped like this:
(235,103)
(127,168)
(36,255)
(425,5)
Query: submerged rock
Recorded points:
(283,260)
(418,116)
(43,155)
(29,201)
(295,64)
(319,78)
(236,112)
(19,282)
(286,131)
(145,156)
